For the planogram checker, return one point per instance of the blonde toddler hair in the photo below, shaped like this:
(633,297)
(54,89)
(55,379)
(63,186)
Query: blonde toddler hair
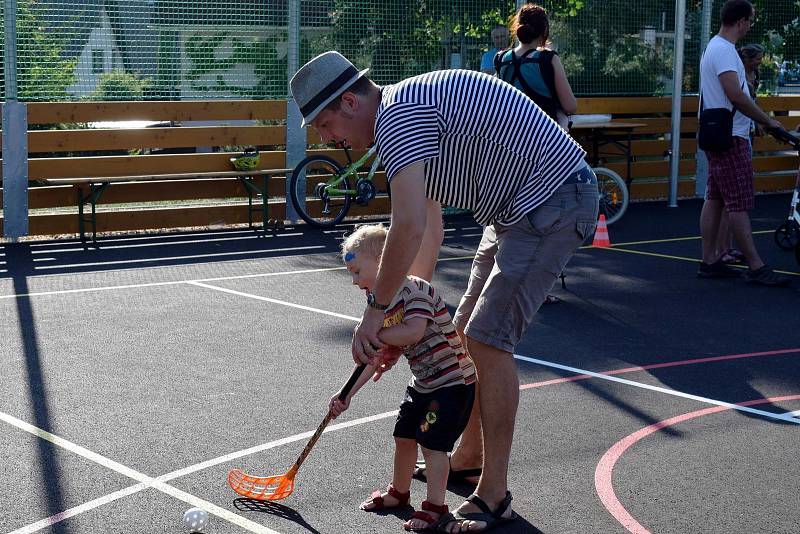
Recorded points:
(368,238)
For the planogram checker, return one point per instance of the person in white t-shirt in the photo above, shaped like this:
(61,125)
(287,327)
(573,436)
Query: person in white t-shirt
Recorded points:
(723,84)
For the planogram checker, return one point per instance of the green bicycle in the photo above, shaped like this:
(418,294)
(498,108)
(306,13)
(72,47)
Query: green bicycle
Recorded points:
(321,190)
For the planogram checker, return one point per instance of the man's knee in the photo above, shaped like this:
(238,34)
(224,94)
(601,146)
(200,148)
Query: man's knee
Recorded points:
(483,354)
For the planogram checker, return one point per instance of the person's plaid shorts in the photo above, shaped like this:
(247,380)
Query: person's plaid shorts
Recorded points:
(730,176)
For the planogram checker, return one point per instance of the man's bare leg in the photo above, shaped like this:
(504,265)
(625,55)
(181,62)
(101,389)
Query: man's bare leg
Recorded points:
(723,235)
(709,229)
(497,375)
(743,232)
(469,452)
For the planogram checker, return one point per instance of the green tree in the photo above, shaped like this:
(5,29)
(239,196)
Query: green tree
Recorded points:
(42,72)
(119,85)
(406,37)
(209,63)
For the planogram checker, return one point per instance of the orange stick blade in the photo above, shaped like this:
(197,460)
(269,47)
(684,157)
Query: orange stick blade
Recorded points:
(261,488)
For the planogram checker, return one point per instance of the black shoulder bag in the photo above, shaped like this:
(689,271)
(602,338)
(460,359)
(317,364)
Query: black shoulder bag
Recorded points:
(715,128)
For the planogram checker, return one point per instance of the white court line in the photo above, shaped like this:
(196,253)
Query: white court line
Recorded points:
(139,237)
(144,480)
(795,413)
(160,259)
(178,282)
(275,301)
(159,482)
(173,243)
(172,283)
(673,392)
(130,490)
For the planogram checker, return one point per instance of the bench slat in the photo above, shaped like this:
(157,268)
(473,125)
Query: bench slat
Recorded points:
(178,137)
(152,177)
(107,166)
(179,217)
(199,110)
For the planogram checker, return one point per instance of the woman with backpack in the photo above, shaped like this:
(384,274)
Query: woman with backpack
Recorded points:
(535,69)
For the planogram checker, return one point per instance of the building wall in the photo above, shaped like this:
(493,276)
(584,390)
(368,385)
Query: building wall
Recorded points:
(100,39)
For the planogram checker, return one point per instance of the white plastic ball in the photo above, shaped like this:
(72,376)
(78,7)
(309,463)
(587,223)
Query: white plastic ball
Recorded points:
(195,519)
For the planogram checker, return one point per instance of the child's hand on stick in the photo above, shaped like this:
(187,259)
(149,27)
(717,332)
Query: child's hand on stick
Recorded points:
(337,406)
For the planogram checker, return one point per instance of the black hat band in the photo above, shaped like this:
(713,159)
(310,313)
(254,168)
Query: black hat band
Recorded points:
(328,90)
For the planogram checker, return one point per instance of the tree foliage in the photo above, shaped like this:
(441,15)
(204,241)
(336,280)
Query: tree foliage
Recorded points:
(42,72)
(120,85)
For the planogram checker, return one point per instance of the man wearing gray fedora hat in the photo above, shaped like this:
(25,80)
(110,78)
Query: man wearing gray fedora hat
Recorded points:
(472,141)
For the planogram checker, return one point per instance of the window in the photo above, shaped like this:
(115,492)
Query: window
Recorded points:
(98,62)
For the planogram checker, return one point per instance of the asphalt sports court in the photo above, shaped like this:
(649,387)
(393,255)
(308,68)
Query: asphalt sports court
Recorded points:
(137,374)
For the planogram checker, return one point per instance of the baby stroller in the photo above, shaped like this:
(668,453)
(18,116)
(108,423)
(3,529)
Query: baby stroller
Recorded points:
(787,235)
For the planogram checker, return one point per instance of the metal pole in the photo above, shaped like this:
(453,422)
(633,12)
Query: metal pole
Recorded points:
(15,137)
(10,56)
(705,25)
(295,134)
(701,172)
(677,93)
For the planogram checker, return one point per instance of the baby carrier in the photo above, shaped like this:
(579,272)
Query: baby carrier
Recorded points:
(533,74)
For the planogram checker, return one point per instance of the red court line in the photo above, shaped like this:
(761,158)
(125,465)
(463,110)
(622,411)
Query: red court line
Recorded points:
(603,472)
(659,366)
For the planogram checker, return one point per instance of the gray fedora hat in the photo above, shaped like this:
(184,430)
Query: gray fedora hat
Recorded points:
(320,81)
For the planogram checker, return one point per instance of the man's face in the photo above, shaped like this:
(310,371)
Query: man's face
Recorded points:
(347,125)
(747,23)
(500,37)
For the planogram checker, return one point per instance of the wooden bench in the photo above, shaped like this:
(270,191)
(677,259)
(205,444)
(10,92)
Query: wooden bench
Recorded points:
(88,191)
(76,166)
(62,161)
(650,144)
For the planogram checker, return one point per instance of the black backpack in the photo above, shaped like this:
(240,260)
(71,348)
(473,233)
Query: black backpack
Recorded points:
(540,86)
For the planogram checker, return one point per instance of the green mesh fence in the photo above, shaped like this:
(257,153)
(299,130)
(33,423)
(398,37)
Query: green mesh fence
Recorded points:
(174,49)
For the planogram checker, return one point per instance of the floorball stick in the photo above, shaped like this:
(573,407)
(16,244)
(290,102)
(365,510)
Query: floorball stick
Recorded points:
(279,487)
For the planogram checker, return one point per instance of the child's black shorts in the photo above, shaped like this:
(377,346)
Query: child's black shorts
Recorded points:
(436,419)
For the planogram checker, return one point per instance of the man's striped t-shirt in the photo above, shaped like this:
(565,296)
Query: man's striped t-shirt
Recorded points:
(438,360)
(486,146)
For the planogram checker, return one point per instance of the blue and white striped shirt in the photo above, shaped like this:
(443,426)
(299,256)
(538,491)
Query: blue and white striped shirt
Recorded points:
(486,146)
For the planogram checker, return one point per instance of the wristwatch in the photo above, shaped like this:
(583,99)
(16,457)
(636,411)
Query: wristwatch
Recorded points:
(372,303)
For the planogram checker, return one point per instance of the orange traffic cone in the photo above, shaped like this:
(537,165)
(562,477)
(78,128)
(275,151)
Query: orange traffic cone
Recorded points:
(601,234)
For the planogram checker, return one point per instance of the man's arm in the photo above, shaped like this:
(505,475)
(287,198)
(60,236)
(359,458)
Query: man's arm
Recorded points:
(425,263)
(743,102)
(406,232)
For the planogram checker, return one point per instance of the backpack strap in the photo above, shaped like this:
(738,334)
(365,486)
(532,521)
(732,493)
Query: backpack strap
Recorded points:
(517,74)
(549,73)
(498,60)
(508,59)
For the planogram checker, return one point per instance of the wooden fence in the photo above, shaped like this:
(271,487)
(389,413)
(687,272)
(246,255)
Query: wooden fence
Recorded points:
(56,153)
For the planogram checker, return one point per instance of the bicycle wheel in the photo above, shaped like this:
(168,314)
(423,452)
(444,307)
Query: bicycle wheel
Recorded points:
(613,194)
(317,200)
(787,236)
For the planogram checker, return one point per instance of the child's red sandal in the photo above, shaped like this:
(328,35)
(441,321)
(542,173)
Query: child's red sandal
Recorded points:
(377,500)
(432,522)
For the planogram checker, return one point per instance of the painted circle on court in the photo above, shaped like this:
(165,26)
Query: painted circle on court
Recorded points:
(603,472)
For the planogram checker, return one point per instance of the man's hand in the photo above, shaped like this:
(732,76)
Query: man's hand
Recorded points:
(366,345)
(774,124)
(389,356)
